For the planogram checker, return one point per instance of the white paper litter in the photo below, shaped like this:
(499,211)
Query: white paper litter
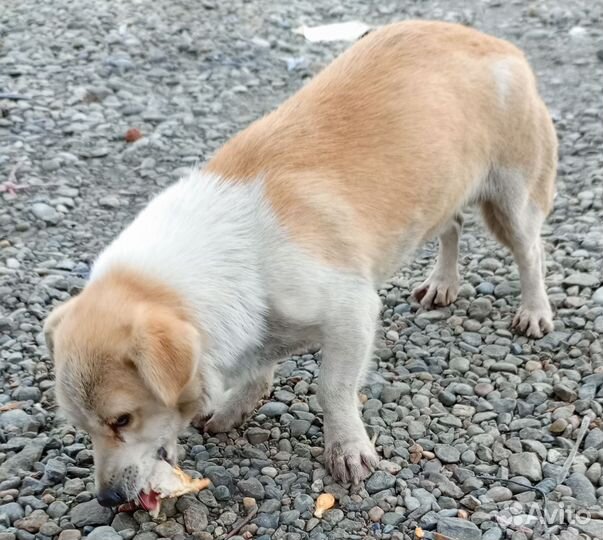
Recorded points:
(347,31)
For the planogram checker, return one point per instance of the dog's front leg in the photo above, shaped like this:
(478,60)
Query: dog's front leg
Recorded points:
(347,345)
(239,401)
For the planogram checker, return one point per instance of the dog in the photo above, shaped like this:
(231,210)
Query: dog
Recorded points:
(282,239)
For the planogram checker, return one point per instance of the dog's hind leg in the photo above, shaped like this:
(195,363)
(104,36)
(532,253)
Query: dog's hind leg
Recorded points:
(516,220)
(442,285)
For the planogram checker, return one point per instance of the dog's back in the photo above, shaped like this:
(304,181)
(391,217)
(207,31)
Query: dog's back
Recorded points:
(395,136)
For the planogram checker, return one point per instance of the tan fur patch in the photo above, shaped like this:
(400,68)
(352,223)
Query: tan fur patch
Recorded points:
(394,136)
(121,337)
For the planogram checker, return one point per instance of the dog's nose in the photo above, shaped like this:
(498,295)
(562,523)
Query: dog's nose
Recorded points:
(110,497)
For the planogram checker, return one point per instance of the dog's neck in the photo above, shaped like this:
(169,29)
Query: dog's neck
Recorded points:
(203,238)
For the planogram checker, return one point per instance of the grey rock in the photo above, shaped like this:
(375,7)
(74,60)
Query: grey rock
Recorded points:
(257,435)
(499,493)
(12,510)
(251,487)
(459,529)
(27,393)
(479,309)
(379,481)
(46,213)
(124,521)
(57,509)
(392,518)
(195,519)
(594,439)
(298,427)
(55,471)
(273,409)
(104,533)
(303,502)
(582,279)
(497,352)
(169,528)
(17,419)
(447,453)
(591,527)
(393,392)
(493,533)
(582,488)
(24,460)
(526,464)
(90,513)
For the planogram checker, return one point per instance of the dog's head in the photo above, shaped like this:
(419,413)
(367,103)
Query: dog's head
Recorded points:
(126,362)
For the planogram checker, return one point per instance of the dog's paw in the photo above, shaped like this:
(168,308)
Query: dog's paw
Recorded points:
(351,460)
(532,322)
(230,415)
(224,421)
(437,292)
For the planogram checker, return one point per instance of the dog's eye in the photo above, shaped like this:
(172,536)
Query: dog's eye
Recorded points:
(122,421)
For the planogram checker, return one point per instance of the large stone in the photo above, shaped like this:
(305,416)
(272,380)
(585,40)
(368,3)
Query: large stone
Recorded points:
(582,280)
(447,453)
(591,527)
(379,481)
(526,464)
(123,521)
(24,460)
(251,487)
(46,213)
(195,519)
(33,521)
(90,513)
(582,488)
(104,533)
(459,529)
(12,510)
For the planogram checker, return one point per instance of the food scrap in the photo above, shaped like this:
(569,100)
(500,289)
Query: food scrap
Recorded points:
(132,135)
(324,502)
(166,483)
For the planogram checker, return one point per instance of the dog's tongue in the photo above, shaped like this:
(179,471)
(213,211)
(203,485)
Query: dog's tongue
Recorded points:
(150,501)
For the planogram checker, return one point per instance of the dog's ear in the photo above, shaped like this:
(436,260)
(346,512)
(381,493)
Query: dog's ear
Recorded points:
(52,322)
(166,353)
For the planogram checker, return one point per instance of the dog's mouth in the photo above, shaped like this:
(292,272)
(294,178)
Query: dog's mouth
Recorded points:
(147,499)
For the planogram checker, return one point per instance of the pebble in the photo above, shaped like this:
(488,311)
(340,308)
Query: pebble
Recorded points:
(582,488)
(90,513)
(447,453)
(459,529)
(526,464)
(104,533)
(499,493)
(46,213)
(379,481)
(251,487)
(582,279)
(375,514)
(70,534)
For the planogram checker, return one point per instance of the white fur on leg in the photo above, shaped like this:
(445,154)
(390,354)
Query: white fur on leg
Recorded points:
(347,345)
(534,317)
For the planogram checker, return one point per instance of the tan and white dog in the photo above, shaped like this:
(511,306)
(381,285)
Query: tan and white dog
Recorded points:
(282,239)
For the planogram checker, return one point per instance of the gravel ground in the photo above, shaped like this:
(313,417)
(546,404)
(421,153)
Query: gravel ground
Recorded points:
(455,396)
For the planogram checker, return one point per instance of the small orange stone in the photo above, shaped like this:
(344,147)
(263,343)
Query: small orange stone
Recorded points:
(133,135)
